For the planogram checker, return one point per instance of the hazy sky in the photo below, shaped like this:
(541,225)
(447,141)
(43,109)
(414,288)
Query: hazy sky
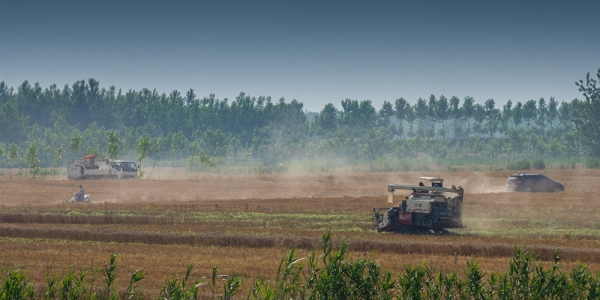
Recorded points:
(316,52)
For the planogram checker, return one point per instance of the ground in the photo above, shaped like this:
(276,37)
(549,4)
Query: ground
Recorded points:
(246,223)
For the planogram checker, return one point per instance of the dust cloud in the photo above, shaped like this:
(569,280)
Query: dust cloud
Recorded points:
(165,183)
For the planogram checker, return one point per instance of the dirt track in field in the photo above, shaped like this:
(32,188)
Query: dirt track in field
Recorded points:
(168,187)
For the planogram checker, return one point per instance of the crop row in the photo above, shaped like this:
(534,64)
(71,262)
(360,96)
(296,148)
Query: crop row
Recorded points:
(210,219)
(301,242)
(324,275)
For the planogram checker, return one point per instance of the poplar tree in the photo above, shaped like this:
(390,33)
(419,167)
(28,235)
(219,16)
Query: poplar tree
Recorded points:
(587,117)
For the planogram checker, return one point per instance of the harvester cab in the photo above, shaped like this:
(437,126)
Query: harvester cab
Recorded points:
(435,181)
(427,208)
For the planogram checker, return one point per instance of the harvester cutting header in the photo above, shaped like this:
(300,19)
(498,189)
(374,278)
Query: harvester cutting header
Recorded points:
(428,208)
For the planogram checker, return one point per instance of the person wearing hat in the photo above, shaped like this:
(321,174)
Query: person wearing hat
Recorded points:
(80,194)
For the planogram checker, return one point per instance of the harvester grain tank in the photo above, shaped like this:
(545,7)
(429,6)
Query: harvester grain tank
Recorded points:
(89,167)
(428,208)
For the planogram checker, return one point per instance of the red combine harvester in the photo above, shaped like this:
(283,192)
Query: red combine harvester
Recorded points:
(429,208)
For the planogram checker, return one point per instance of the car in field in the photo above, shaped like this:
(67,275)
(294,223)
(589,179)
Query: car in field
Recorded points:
(533,183)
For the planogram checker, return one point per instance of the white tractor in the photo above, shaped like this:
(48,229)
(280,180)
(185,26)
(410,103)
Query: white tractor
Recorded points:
(89,167)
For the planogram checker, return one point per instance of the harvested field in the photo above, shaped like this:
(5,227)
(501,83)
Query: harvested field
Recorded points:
(247,223)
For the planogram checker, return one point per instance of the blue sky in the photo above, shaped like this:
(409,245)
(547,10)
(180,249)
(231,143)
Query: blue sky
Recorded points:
(316,52)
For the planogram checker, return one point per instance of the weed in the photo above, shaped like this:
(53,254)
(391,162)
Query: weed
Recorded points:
(110,277)
(16,285)
(173,289)
(331,275)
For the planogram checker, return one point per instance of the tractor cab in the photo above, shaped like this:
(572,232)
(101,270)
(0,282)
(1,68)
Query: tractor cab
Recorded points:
(435,181)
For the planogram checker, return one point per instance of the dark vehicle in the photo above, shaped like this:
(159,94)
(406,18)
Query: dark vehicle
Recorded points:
(533,183)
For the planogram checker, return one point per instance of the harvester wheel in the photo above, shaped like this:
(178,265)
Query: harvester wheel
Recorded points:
(416,230)
(423,231)
(441,231)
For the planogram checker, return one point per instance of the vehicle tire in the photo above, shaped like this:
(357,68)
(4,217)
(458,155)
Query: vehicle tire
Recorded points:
(528,189)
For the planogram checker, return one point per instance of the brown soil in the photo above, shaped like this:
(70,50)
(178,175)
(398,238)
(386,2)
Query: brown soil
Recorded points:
(190,187)
(37,230)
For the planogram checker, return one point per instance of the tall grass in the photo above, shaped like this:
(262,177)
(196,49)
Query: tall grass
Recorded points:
(328,274)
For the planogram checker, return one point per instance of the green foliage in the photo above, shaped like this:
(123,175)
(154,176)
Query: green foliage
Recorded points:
(539,164)
(75,144)
(113,144)
(12,123)
(72,285)
(523,164)
(12,153)
(143,146)
(92,151)
(15,285)
(11,156)
(278,132)
(232,286)
(329,274)
(110,277)
(133,289)
(59,154)
(592,163)
(587,115)
(174,289)
(47,151)
(200,160)
(31,156)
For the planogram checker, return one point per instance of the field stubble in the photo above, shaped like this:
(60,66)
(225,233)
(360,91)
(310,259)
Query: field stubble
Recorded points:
(246,223)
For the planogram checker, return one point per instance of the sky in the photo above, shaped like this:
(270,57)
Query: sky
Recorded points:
(316,52)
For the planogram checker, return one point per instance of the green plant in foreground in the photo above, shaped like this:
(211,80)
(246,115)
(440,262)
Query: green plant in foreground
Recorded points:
(174,289)
(232,286)
(330,275)
(132,289)
(110,277)
(16,286)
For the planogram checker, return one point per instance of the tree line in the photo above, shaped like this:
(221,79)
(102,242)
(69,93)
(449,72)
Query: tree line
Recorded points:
(85,118)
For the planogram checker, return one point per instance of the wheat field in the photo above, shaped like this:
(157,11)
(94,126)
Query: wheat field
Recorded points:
(247,223)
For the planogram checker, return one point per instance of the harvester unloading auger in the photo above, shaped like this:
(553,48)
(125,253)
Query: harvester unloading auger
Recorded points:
(428,208)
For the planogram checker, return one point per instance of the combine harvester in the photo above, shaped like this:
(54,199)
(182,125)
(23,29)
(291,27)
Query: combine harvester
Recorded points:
(429,208)
(89,167)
